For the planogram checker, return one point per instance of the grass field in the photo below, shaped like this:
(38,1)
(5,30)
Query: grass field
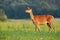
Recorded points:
(25,30)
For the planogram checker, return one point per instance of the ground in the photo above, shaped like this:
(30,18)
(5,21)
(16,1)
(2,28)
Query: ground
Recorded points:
(25,30)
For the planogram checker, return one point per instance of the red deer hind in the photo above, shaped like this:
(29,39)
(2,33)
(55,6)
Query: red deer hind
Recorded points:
(41,20)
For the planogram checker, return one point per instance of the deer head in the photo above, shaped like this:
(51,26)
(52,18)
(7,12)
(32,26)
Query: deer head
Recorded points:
(28,10)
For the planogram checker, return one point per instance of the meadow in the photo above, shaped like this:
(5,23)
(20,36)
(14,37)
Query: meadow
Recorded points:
(25,30)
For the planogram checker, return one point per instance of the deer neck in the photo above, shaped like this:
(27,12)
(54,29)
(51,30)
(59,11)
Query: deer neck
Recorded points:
(31,15)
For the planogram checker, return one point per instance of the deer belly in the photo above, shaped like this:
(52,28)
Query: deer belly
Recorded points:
(42,22)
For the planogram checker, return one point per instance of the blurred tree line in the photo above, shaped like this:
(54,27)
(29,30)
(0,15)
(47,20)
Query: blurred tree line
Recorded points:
(3,16)
(15,9)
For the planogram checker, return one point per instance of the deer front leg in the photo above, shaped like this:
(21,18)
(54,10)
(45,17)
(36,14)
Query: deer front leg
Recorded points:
(37,27)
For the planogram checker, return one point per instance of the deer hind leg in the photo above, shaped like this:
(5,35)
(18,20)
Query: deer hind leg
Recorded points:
(49,26)
(52,24)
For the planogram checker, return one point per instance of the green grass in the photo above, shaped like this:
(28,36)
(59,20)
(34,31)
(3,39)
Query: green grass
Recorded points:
(25,30)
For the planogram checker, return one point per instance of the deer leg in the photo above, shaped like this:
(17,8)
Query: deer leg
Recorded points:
(53,27)
(37,28)
(49,26)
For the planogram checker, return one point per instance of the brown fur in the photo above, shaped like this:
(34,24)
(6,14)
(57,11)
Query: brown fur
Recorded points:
(41,20)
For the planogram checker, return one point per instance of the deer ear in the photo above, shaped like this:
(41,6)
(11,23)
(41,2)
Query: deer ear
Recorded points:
(28,8)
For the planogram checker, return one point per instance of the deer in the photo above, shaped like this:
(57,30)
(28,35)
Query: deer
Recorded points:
(41,20)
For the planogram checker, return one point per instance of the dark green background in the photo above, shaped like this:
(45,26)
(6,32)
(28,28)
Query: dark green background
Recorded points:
(15,9)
